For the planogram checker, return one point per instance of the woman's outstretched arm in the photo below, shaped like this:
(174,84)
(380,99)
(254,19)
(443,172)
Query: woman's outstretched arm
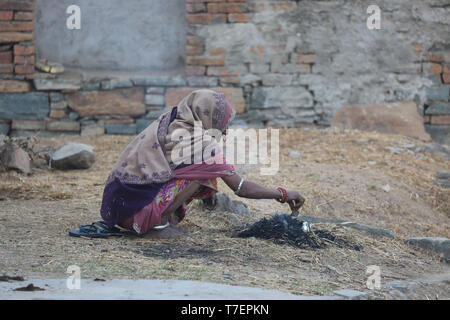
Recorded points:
(253,190)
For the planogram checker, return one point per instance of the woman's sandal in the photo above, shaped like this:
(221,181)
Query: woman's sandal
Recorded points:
(97,230)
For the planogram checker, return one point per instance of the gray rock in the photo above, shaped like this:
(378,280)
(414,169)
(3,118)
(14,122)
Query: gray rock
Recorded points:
(57,84)
(14,158)
(56,97)
(4,128)
(72,156)
(289,97)
(371,230)
(439,133)
(202,81)
(438,108)
(91,86)
(24,106)
(443,179)
(224,203)
(155,90)
(154,99)
(115,84)
(436,148)
(120,128)
(438,245)
(73,115)
(350,294)
(159,81)
(441,93)
(277,79)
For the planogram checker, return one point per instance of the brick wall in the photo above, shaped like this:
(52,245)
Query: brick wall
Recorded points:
(281,63)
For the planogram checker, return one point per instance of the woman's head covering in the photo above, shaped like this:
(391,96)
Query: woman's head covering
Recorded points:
(148,157)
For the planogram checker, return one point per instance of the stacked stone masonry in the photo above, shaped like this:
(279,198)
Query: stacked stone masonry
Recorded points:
(281,63)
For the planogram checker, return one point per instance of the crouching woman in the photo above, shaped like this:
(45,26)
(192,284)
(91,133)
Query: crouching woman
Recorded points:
(146,190)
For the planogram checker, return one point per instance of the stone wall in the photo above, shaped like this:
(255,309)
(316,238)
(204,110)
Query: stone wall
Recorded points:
(282,63)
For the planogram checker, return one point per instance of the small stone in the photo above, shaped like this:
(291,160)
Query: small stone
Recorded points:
(438,245)
(72,156)
(386,188)
(73,116)
(443,179)
(14,158)
(371,163)
(436,148)
(224,203)
(351,294)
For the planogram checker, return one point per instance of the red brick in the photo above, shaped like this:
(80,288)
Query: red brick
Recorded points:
(24,59)
(23,50)
(257,7)
(205,61)
(221,71)
(435,58)
(440,119)
(194,50)
(57,114)
(216,52)
(15,37)
(195,7)
(24,16)
(446,78)
(230,80)
(204,18)
(6,68)
(307,58)
(24,69)
(282,6)
(5,57)
(19,5)
(435,68)
(5,47)
(426,119)
(6,15)
(238,17)
(6,26)
(446,69)
(226,8)
(417,48)
(195,70)
(25,124)
(14,86)
(195,41)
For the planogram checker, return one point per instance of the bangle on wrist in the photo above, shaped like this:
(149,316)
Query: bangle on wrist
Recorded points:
(283,195)
(239,187)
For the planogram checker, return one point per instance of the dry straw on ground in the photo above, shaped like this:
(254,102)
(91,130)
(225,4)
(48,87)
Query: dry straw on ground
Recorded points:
(340,173)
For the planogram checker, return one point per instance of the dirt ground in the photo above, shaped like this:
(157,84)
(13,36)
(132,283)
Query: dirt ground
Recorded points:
(340,173)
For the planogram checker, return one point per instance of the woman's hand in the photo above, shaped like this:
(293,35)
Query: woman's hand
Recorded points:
(295,200)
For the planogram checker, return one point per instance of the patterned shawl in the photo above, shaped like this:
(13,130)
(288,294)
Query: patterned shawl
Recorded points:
(145,165)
